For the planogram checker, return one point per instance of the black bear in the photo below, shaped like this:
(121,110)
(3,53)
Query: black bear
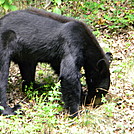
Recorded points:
(32,35)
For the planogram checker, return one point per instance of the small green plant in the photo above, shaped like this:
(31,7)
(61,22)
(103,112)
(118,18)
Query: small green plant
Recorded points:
(8,5)
(1,108)
(103,99)
(49,104)
(109,109)
(56,8)
(31,93)
(50,96)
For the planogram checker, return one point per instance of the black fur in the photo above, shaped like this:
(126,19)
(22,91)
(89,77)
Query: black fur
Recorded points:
(31,36)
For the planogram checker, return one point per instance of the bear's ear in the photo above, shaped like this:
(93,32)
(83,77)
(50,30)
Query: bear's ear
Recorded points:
(109,56)
(102,66)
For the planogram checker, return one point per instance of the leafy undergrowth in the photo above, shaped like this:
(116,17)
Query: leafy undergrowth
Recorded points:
(43,114)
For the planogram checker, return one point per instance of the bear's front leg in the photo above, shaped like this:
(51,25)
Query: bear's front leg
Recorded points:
(70,85)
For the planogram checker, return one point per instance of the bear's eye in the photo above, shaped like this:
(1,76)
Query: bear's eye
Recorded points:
(91,80)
